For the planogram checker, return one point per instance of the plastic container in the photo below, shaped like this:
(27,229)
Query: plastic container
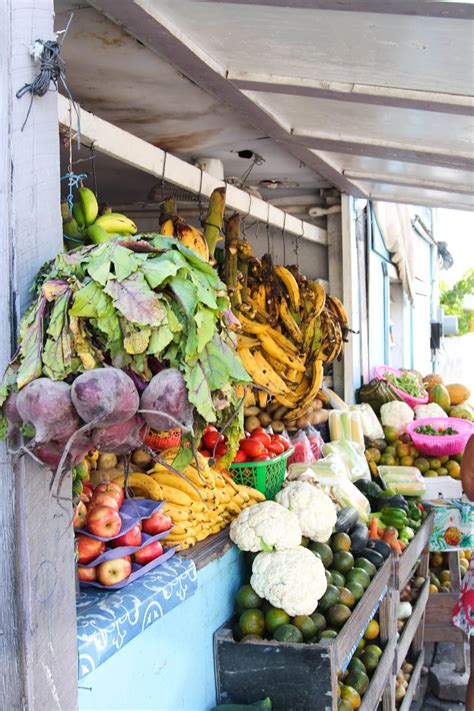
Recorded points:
(266,477)
(160,441)
(444,445)
(380,371)
(407,481)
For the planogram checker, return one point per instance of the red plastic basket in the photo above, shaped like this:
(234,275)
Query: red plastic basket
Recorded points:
(443,445)
(380,371)
(160,441)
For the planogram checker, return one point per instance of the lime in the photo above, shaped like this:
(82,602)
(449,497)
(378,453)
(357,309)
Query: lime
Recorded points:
(406,461)
(275,617)
(351,695)
(337,578)
(391,434)
(328,634)
(252,622)
(358,680)
(328,577)
(288,633)
(323,551)
(375,649)
(430,473)
(356,589)
(343,561)
(356,665)
(372,630)
(366,565)
(306,625)
(422,464)
(319,620)
(340,542)
(338,615)
(247,598)
(329,599)
(370,660)
(442,471)
(346,597)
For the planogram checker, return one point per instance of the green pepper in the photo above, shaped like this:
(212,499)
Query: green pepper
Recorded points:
(407,533)
(394,517)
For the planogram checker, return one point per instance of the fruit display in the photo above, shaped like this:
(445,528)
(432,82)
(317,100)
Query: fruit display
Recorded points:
(354,682)
(440,576)
(402,680)
(257,446)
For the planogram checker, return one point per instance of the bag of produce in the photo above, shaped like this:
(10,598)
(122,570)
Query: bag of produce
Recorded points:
(316,442)
(353,457)
(346,425)
(371,426)
(403,480)
(377,393)
(303,452)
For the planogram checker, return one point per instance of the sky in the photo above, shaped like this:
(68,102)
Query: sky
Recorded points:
(456,227)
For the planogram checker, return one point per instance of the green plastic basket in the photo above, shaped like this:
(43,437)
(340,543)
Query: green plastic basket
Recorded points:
(266,477)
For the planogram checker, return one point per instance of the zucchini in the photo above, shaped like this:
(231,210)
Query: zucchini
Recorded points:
(347,518)
(373,556)
(359,536)
(380,547)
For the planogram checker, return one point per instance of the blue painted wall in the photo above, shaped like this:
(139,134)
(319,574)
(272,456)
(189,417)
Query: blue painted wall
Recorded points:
(170,666)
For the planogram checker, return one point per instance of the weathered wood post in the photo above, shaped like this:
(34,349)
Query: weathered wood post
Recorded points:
(38,657)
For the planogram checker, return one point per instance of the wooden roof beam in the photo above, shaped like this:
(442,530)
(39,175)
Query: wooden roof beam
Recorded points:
(417,8)
(151,26)
(359,93)
(409,182)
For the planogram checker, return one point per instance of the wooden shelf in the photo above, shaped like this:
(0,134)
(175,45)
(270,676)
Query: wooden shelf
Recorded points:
(379,680)
(405,565)
(413,684)
(412,625)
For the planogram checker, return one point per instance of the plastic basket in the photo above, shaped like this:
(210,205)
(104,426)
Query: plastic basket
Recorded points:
(443,445)
(160,441)
(266,477)
(409,399)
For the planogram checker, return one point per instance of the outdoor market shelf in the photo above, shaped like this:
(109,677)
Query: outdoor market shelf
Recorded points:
(413,684)
(379,680)
(412,625)
(406,564)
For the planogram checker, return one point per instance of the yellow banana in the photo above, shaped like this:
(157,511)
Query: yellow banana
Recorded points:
(262,399)
(282,340)
(116,222)
(291,285)
(170,479)
(247,342)
(89,205)
(289,322)
(316,382)
(260,297)
(256,495)
(248,361)
(338,309)
(278,384)
(167,228)
(271,347)
(249,398)
(193,239)
(252,327)
(143,482)
(319,297)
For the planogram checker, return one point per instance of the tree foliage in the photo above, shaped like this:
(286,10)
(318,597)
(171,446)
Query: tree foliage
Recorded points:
(452,300)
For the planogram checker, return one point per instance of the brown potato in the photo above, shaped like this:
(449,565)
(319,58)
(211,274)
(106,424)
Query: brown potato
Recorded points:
(278,426)
(105,475)
(265,419)
(280,412)
(107,460)
(251,423)
(302,422)
(142,459)
(251,411)
(317,404)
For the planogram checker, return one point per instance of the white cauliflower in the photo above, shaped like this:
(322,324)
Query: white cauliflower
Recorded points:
(396,414)
(430,410)
(315,511)
(292,580)
(266,527)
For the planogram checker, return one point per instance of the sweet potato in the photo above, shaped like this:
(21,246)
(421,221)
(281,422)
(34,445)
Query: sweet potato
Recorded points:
(105,395)
(164,403)
(46,405)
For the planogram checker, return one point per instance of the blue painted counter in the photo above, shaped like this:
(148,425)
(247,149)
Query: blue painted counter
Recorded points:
(169,666)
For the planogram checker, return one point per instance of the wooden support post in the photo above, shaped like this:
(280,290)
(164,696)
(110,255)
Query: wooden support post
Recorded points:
(38,650)
(334,234)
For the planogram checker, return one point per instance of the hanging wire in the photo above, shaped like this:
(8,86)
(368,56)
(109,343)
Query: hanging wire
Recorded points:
(268,237)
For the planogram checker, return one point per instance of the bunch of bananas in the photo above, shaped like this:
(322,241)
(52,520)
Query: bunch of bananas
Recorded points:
(85,223)
(199,506)
(289,328)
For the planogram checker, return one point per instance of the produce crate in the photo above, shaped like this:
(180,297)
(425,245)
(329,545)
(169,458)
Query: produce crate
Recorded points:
(378,683)
(412,626)
(413,683)
(301,677)
(404,566)
(440,608)
(266,477)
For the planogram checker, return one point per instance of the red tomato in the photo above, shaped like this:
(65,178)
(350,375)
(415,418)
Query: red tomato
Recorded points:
(210,439)
(281,440)
(205,453)
(262,458)
(221,450)
(210,428)
(262,436)
(240,457)
(252,448)
(276,447)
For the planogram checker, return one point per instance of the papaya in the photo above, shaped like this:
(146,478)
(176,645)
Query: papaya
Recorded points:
(464,412)
(440,396)
(458,393)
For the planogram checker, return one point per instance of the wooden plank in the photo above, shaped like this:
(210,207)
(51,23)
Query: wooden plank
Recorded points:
(120,144)
(412,625)
(413,683)
(379,680)
(37,594)
(150,25)
(417,8)
(358,93)
(404,566)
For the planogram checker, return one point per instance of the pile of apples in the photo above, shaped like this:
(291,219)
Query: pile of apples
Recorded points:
(98,513)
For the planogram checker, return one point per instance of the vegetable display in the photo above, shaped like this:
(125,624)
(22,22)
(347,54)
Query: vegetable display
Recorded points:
(440,432)
(407,381)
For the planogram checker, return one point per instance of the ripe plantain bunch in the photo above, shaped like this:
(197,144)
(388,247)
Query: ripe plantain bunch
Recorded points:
(200,505)
(290,327)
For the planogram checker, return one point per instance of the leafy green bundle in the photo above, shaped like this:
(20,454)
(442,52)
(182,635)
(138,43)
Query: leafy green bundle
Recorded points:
(132,303)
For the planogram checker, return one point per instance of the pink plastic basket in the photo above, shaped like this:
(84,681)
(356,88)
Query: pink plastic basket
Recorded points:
(443,445)
(412,401)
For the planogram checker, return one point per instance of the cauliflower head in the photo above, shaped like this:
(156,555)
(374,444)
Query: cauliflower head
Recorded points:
(293,580)
(266,527)
(396,414)
(315,511)
(430,410)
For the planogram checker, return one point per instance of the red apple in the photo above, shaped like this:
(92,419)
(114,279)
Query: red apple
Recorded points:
(148,553)
(103,499)
(87,574)
(111,488)
(87,490)
(104,521)
(131,538)
(88,548)
(114,571)
(80,515)
(156,523)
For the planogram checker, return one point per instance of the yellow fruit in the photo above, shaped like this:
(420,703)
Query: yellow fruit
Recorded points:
(454,469)
(351,695)
(458,393)
(444,576)
(436,560)
(433,589)
(372,630)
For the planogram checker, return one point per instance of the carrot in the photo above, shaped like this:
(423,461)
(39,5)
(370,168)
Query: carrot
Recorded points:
(373,528)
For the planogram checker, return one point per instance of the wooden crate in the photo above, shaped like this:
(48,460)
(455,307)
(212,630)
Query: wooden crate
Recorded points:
(412,626)
(405,565)
(379,680)
(440,608)
(413,684)
(300,677)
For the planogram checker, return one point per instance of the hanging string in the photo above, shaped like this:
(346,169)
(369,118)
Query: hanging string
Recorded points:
(268,237)
(74,181)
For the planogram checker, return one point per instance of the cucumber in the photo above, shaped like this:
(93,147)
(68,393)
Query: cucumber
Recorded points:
(373,556)
(347,518)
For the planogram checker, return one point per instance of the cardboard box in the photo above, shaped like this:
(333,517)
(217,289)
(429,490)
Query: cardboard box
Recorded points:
(442,487)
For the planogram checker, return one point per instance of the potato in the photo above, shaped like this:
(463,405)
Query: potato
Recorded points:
(106,460)
(251,423)
(407,668)
(131,468)
(272,407)
(314,418)
(105,475)
(280,412)
(323,416)
(278,426)
(142,459)
(302,422)
(317,405)
(265,419)
(251,411)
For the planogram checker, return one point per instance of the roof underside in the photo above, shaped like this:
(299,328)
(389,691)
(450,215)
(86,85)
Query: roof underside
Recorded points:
(370,96)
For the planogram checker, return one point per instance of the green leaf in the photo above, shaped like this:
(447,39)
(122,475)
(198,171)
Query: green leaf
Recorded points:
(57,351)
(161,242)
(31,339)
(206,293)
(183,457)
(136,301)
(185,292)
(206,327)
(136,340)
(221,364)
(159,269)
(112,255)
(203,266)
(159,339)
(198,391)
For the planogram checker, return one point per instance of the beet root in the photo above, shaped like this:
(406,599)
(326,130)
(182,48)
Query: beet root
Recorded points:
(50,453)
(105,395)
(164,404)
(120,438)
(11,413)
(46,405)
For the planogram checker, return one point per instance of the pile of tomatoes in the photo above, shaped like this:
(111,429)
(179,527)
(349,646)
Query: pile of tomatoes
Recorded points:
(260,446)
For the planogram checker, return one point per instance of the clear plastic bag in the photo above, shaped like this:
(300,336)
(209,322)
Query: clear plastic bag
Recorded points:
(303,452)
(346,425)
(371,426)
(315,441)
(353,457)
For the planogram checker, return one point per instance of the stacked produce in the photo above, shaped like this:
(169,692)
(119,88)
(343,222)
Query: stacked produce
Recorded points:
(402,680)
(354,682)
(440,576)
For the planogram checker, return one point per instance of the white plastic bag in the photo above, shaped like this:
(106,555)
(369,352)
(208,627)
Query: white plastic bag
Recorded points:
(371,426)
